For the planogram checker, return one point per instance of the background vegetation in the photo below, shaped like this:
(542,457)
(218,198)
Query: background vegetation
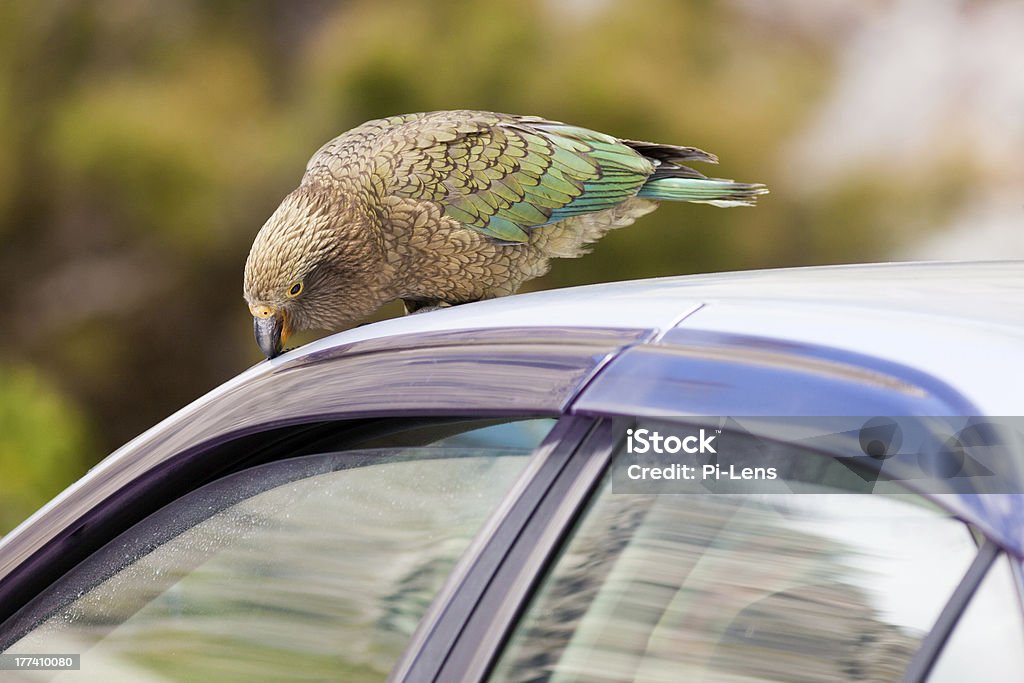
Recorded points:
(143,143)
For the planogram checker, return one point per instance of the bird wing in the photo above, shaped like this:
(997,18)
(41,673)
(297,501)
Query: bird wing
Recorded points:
(504,175)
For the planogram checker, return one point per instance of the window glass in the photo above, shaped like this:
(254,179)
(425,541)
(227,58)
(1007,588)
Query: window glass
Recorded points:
(318,567)
(819,586)
(988,641)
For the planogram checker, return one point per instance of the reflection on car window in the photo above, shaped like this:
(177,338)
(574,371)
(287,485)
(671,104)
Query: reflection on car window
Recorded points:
(825,586)
(322,573)
(988,641)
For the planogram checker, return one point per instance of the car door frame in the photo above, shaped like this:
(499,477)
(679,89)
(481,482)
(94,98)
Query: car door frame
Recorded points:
(464,644)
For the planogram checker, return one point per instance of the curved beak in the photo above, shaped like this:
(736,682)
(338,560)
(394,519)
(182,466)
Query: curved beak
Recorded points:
(271,331)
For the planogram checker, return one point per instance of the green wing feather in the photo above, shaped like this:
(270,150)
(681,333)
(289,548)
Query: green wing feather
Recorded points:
(504,175)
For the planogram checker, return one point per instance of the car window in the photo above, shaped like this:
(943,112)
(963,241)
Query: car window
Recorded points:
(824,585)
(988,641)
(315,567)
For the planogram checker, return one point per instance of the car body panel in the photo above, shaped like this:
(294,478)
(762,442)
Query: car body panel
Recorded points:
(979,359)
(671,381)
(637,304)
(963,323)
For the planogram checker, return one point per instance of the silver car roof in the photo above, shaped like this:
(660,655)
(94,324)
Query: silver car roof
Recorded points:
(960,322)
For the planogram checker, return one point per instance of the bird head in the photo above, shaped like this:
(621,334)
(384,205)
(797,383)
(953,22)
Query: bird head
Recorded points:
(313,265)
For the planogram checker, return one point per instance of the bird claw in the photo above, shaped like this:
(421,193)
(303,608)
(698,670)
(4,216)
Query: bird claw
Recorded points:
(427,309)
(413,306)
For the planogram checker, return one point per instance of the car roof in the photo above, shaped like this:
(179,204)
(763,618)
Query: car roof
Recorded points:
(990,292)
(961,322)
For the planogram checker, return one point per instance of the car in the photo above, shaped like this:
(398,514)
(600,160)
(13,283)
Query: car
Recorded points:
(808,474)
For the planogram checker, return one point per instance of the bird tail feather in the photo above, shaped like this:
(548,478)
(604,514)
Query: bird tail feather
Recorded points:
(714,191)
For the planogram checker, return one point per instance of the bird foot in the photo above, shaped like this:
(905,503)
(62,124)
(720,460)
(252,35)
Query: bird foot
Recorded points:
(423,306)
(435,307)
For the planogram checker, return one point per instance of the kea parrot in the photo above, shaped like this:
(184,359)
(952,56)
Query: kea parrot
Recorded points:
(449,207)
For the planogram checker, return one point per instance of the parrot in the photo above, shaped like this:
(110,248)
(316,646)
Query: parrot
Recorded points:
(451,207)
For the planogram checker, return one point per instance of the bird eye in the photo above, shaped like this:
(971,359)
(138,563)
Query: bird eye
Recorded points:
(295,290)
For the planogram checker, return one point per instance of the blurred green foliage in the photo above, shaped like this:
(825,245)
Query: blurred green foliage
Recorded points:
(143,143)
(44,443)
